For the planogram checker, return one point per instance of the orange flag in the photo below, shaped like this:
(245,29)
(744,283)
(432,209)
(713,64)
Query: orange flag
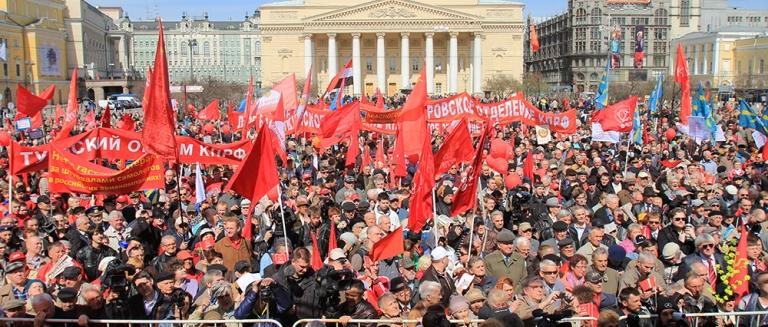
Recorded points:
(257,175)
(158,134)
(681,77)
(366,160)
(389,246)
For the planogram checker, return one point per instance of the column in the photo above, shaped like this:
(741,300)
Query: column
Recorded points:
(356,69)
(332,70)
(453,68)
(307,53)
(380,63)
(405,59)
(430,62)
(704,58)
(696,59)
(715,62)
(477,77)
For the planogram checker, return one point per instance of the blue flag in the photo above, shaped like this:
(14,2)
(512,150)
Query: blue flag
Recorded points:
(637,129)
(747,117)
(601,100)
(656,94)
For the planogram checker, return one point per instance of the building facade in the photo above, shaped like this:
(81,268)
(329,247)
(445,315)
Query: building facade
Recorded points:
(33,35)
(198,48)
(460,43)
(592,24)
(718,14)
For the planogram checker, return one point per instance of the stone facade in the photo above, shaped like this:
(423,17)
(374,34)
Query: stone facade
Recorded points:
(461,42)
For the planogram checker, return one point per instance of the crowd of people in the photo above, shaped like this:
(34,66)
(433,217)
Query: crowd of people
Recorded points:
(588,236)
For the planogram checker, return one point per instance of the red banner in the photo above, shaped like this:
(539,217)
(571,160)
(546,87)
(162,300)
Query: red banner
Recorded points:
(68,173)
(109,143)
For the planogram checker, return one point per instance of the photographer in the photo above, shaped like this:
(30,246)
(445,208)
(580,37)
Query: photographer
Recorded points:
(630,305)
(298,278)
(536,302)
(265,299)
(354,307)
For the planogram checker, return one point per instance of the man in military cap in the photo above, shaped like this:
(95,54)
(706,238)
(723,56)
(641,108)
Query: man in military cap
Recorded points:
(96,215)
(16,309)
(15,288)
(72,277)
(595,280)
(505,261)
(66,302)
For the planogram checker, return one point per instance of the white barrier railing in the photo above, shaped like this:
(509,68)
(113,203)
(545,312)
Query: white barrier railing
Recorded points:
(358,322)
(693,318)
(108,322)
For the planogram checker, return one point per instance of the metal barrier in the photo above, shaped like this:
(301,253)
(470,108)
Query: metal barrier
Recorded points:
(693,318)
(473,322)
(108,322)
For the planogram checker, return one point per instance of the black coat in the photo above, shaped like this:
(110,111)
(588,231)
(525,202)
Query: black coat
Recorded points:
(668,234)
(90,258)
(447,286)
(77,240)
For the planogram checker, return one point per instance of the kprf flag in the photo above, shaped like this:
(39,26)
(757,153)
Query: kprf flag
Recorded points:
(456,149)
(128,123)
(389,246)
(528,167)
(681,77)
(543,136)
(467,195)
(413,118)
(740,266)
(618,116)
(158,134)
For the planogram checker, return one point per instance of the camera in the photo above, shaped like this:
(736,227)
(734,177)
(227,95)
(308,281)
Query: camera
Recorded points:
(266,294)
(330,283)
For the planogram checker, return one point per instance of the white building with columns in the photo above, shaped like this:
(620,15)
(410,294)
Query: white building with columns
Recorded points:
(460,43)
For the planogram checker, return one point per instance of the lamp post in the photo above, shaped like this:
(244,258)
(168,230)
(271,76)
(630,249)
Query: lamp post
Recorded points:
(191,42)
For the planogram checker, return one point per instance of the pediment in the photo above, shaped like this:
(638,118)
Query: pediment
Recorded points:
(391,10)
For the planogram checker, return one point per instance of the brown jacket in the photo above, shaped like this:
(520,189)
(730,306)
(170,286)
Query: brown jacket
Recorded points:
(232,255)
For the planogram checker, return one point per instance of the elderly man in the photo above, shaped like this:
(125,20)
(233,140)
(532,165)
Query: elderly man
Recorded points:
(534,299)
(373,234)
(705,253)
(644,277)
(505,261)
(436,273)
(604,215)
(610,276)
(549,272)
(430,293)
(603,300)
(17,280)
(595,240)
(118,231)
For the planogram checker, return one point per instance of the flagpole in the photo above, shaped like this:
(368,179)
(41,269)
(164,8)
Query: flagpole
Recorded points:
(178,189)
(626,157)
(282,214)
(10,169)
(434,209)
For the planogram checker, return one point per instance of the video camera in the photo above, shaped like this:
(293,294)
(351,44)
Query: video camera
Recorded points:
(330,283)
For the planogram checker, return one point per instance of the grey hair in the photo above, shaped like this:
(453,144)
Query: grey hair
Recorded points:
(634,226)
(385,296)
(611,197)
(497,213)
(167,238)
(564,213)
(210,275)
(429,287)
(496,298)
(115,214)
(599,251)
(645,257)
(703,239)
(547,262)
(520,241)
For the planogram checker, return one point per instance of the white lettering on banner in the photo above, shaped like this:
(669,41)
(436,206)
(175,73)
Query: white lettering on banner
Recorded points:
(239,154)
(40,156)
(185,149)
(134,145)
(311,120)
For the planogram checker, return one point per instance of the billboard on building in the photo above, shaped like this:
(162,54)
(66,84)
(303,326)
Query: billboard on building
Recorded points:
(49,61)
(616,47)
(639,45)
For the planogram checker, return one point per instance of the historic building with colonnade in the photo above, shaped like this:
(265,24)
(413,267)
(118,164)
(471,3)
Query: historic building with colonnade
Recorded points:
(463,43)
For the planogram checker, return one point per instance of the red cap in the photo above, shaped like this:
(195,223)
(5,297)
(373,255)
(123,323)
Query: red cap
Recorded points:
(184,255)
(123,199)
(17,256)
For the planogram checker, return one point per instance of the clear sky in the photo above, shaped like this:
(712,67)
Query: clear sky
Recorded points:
(236,9)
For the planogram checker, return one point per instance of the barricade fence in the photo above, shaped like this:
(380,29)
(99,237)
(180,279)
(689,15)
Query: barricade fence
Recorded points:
(755,319)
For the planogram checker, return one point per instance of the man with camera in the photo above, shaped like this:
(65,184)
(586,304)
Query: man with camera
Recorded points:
(265,299)
(298,278)
(354,306)
(537,304)
(630,305)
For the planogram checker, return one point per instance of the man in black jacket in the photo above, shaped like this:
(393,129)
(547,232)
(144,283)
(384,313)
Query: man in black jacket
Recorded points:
(678,232)
(299,279)
(91,255)
(79,236)
(354,306)
(436,273)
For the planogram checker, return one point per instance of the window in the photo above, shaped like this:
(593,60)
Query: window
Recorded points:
(18,70)
(258,48)
(206,48)
(392,64)
(659,33)
(438,64)
(594,33)
(597,16)
(685,12)
(594,46)
(581,16)
(659,47)
(438,88)
(415,64)
(369,64)
(659,61)
(762,66)
(5,69)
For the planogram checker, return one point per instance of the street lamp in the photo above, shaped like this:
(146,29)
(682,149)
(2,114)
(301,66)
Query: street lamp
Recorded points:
(191,42)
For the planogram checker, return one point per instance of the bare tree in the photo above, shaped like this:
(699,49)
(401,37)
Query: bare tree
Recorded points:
(217,89)
(502,86)
(534,83)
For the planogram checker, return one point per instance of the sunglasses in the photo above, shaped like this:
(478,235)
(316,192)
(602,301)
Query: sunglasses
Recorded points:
(708,246)
(679,219)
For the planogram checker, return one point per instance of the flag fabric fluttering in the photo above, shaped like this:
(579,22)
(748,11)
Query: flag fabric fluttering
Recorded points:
(421,209)
(199,187)
(656,94)
(30,104)
(465,197)
(618,116)
(210,112)
(601,99)
(128,123)
(389,246)
(70,117)
(158,135)
(529,167)
(681,77)
(413,117)
(749,118)
(343,77)
(379,99)
(106,117)
(534,37)
(456,148)
(740,266)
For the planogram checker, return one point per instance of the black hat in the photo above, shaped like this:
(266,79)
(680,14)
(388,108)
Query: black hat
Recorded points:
(479,221)
(565,242)
(560,226)
(553,257)
(70,272)
(218,267)
(67,294)
(363,205)
(405,182)
(505,236)
(640,239)
(13,266)
(348,206)
(715,213)
(349,179)
(594,277)
(648,191)
(242,265)
(666,303)
(397,284)
(163,276)
(95,210)
(43,199)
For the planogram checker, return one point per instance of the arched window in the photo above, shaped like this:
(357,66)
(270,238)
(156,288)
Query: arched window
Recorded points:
(258,48)
(581,16)
(597,16)
(206,48)
(660,17)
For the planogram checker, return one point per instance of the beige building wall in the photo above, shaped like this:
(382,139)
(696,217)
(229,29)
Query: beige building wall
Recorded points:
(298,33)
(751,58)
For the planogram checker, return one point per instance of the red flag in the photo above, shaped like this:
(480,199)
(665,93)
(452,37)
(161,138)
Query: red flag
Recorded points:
(456,148)
(414,117)
(534,39)
(566,105)
(147,84)
(340,124)
(332,238)
(364,99)
(528,166)
(158,134)
(287,89)
(366,161)
(106,118)
(37,120)
(381,159)
(765,152)
(30,104)
(465,197)
(249,107)
(681,77)
(90,118)
(618,116)
(740,266)
(304,101)
(59,112)
(670,163)
(424,181)
(389,246)
(398,155)
(235,118)
(210,112)
(70,118)
(317,262)
(353,150)
(127,123)
(379,99)
(257,175)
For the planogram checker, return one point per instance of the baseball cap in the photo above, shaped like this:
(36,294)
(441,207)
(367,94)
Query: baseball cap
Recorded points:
(337,254)
(439,253)
(13,266)
(242,265)
(184,255)
(594,277)
(524,227)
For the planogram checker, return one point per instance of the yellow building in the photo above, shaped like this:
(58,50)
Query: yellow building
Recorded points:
(35,40)
(462,43)
(725,60)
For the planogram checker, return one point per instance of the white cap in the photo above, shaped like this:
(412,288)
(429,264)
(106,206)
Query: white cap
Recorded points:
(609,227)
(105,262)
(337,254)
(438,253)
(732,190)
